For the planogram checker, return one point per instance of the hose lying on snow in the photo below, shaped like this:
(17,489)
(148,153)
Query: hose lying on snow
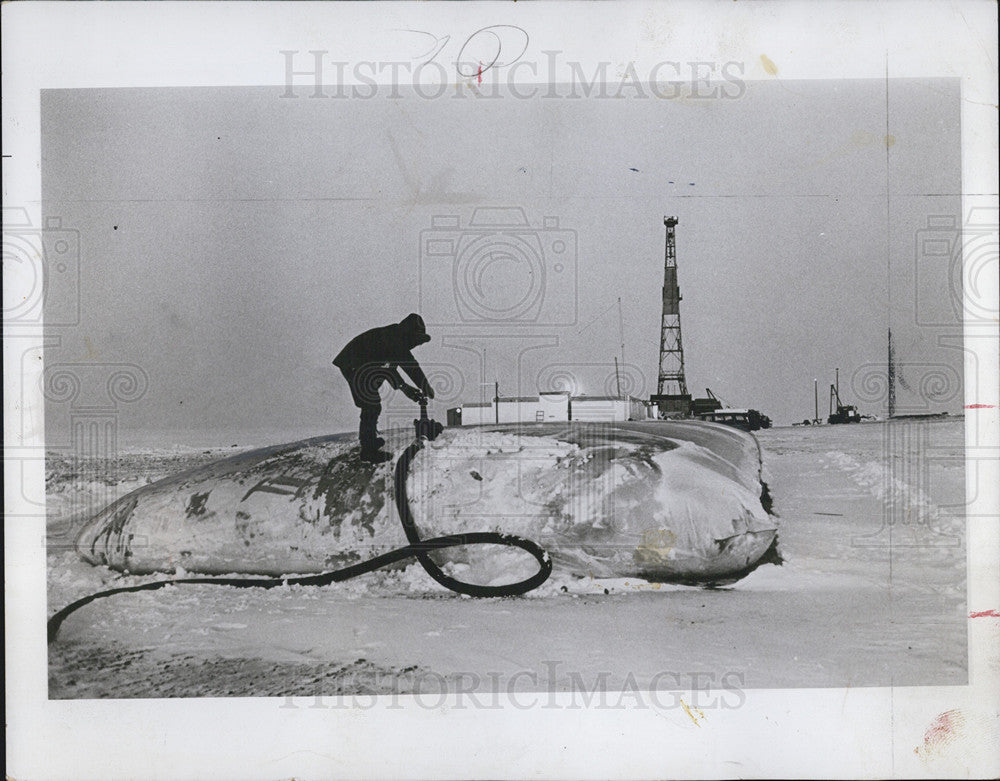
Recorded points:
(419,549)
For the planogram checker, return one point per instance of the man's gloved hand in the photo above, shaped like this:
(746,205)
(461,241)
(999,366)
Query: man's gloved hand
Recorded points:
(430,392)
(411,393)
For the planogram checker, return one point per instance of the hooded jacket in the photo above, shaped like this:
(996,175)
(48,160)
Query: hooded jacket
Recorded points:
(388,346)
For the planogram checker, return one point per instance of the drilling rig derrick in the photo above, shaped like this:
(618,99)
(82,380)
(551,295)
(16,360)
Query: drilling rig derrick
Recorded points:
(672,397)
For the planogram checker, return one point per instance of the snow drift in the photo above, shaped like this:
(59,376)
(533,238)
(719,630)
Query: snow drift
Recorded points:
(676,502)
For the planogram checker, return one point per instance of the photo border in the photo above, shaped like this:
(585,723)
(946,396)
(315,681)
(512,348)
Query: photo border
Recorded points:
(877,732)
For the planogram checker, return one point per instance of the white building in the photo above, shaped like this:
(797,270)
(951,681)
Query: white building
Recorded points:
(550,406)
(600,408)
(472,414)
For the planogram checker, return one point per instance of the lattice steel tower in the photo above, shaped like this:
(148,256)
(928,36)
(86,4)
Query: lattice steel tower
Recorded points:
(671,379)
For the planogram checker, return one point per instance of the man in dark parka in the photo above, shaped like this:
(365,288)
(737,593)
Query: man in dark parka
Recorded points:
(374,357)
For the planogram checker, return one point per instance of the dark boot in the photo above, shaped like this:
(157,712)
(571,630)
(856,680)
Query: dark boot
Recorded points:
(370,441)
(367,433)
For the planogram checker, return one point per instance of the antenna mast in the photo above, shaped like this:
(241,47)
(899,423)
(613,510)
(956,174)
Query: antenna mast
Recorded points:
(621,330)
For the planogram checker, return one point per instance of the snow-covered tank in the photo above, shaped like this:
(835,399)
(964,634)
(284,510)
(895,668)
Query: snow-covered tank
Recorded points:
(669,501)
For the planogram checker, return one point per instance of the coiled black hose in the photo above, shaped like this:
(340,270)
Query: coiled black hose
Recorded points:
(418,548)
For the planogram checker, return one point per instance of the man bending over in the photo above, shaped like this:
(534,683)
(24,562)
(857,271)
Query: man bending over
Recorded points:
(374,357)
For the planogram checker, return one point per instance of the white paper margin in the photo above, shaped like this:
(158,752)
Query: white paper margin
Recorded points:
(828,732)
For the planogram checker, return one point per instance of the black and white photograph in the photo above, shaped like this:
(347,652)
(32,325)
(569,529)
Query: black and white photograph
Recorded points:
(433,367)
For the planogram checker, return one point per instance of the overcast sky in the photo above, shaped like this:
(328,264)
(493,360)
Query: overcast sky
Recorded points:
(232,241)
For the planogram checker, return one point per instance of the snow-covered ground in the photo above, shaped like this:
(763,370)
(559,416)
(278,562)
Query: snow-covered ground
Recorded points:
(872,592)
